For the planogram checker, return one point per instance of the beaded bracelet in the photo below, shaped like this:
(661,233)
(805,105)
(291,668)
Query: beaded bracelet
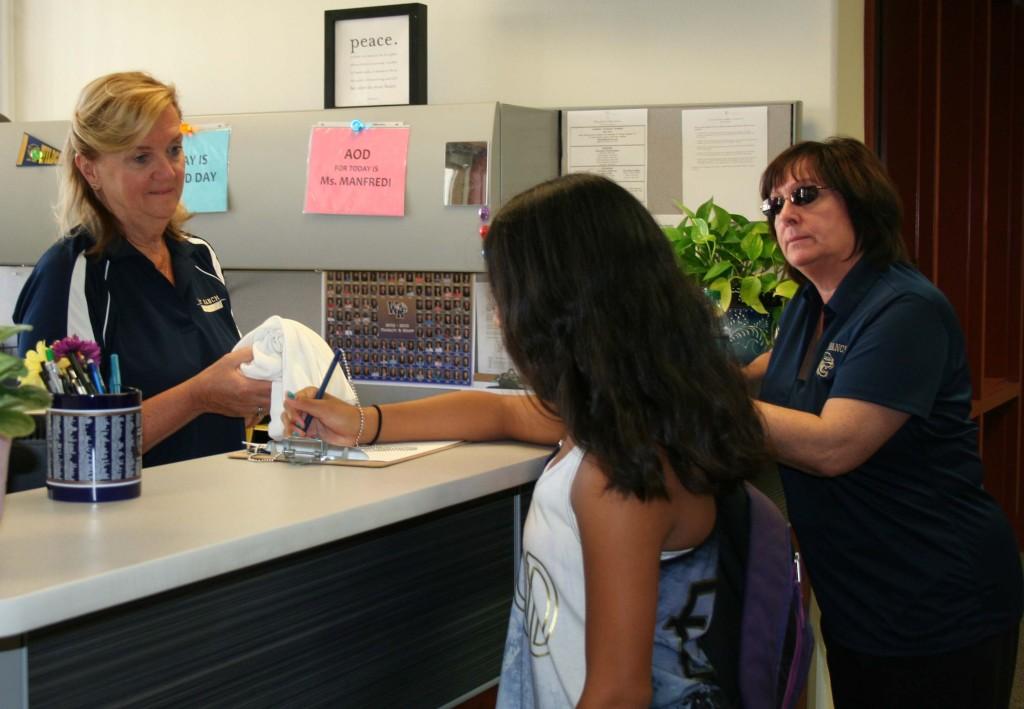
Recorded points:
(362,425)
(362,414)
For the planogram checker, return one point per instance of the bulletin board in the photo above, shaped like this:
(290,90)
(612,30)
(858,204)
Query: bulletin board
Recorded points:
(663,137)
(402,326)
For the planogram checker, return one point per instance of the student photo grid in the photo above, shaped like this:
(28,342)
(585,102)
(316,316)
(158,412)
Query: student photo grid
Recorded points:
(402,326)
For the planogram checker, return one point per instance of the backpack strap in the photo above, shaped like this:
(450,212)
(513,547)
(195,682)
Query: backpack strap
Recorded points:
(719,643)
(771,600)
(803,641)
(758,605)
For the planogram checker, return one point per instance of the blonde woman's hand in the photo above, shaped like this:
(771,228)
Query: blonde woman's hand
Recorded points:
(222,389)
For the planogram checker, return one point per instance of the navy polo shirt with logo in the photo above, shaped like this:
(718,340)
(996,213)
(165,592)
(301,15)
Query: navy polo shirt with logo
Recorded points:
(908,554)
(163,334)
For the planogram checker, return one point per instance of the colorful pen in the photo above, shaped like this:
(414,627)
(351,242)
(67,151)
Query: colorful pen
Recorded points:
(65,381)
(52,378)
(83,378)
(115,374)
(76,384)
(52,374)
(97,380)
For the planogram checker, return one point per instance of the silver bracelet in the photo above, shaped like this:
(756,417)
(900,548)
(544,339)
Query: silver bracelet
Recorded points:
(362,414)
(362,424)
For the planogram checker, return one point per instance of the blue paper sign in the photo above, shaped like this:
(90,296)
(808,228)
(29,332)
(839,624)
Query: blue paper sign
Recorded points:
(206,170)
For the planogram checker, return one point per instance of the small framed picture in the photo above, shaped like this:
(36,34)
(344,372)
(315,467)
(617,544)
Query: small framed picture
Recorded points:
(375,56)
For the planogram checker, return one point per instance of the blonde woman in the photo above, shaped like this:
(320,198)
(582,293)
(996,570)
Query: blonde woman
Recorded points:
(126,274)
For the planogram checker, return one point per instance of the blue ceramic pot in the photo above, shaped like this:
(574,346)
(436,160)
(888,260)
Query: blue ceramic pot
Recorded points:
(749,332)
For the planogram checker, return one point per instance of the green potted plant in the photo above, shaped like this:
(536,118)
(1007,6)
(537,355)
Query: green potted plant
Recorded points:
(16,399)
(731,256)
(728,253)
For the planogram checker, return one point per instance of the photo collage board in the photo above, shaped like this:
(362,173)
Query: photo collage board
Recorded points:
(402,326)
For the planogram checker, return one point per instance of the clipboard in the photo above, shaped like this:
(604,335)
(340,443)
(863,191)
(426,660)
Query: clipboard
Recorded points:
(379,456)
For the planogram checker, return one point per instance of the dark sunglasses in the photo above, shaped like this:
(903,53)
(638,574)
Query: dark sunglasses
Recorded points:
(805,194)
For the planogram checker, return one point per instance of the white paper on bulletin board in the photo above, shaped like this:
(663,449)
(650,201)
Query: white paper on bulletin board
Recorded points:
(725,150)
(612,143)
(491,356)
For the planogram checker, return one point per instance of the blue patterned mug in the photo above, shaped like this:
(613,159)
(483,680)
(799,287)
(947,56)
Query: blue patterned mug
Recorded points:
(94,446)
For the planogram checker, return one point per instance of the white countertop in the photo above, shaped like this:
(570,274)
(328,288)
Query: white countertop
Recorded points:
(201,518)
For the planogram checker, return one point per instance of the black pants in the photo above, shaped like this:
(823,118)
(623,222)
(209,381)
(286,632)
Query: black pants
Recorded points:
(975,677)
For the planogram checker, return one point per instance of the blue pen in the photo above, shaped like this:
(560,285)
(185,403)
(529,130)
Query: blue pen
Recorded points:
(97,380)
(323,386)
(115,375)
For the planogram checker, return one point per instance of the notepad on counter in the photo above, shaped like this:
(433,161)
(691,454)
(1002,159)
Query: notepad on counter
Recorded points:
(391,453)
(384,454)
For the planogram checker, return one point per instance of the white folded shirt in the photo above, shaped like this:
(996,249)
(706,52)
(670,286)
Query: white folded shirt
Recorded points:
(292,357)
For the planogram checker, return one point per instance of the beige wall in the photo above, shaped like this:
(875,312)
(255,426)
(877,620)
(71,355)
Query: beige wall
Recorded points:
(240,56)
(849,69)
(7,57)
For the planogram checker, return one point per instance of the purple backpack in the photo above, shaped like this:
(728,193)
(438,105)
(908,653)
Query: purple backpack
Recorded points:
(759,606)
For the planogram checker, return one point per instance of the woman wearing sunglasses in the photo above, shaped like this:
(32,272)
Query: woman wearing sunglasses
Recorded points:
(866,400)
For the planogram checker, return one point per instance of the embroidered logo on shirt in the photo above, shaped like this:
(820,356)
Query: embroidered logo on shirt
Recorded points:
(826,365)
(537,597)
(211,304)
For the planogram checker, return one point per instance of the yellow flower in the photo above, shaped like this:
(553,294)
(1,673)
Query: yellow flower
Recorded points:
(34,364)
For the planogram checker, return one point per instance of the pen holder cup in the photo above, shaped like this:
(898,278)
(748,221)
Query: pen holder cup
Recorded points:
(94,446)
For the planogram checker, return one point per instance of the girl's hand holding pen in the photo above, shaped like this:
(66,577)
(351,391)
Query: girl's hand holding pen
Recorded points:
(333,420)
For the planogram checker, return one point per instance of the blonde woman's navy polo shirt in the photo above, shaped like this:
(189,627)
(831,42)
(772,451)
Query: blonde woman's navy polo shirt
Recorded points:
(163,333)
(908,554)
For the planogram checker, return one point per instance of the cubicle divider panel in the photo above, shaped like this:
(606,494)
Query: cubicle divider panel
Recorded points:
(258,294)
(29,193)
(265,226)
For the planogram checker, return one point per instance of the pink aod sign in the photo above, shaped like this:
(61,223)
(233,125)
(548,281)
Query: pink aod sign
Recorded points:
(357,172)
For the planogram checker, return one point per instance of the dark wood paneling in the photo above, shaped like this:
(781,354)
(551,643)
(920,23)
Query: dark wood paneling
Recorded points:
(948,121)
(898,145)
(925,195)
(976,276)
(955,166)
(1002,296)
(998,450)
(871,67)
(1015,27)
